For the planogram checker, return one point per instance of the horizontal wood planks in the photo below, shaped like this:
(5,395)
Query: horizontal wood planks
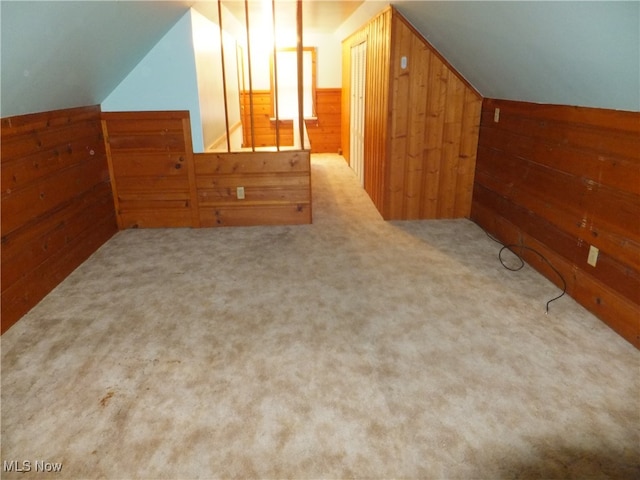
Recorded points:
(264,129)
(277,188)
(324,131)
(159,182)
(57,206)
(561,179)
(151,163)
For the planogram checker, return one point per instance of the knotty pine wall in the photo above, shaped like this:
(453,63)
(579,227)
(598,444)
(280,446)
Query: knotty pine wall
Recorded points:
(264,130)
(560,179)
(435,120)
(158,181)
(277,188)
(57,207)
(421,124)
(151,165)
(324,132)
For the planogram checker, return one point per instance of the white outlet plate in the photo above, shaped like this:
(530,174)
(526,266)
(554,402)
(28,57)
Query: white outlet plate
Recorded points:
(496,115)
(593,256)
(240,193)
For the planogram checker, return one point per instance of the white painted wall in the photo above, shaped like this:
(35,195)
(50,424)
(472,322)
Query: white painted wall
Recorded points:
(165,79)
(211,89)
(329,58)
(584,53)
(206,46)
(64,54)
(328,53)
(69,54)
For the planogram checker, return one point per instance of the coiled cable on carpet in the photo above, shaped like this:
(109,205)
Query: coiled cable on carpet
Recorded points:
(510,247)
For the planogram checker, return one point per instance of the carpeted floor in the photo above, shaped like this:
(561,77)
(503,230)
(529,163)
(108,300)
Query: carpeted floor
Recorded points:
(350,348)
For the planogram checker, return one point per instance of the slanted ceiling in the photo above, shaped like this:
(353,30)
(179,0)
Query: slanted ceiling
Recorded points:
(61,54)
(570,53)
(72,53)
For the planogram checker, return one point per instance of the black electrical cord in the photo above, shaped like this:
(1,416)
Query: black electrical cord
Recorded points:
(511,247)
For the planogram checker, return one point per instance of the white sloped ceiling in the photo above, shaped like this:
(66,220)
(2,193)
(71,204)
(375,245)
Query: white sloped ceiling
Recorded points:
(572,53)
(61,54)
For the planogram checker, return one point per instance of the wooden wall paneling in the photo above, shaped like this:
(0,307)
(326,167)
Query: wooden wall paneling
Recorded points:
(467,154)
(264,128)
(451,146)
(614,309)
(26,248)
(56,202)
(230,216)
(19,297)
(401,116)
(25,204)
(434,135)
(432,160)
(325,132)
(421,124)
(111,163)
(611,270)
(151,166)
(377,107)
(191,171)
(277,188)
(564,178)
(416,145)
(564,199)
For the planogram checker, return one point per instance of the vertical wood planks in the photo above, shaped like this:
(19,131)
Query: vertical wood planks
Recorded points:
(422,121)
(561,179)
(57,207)
(431,161)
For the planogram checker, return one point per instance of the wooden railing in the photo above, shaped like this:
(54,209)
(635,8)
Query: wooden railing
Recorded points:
(247,94)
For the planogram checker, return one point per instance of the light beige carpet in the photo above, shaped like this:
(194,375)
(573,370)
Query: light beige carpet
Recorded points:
(350,348)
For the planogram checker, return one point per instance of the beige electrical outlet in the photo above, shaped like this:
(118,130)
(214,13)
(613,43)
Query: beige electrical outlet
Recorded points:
(593,256)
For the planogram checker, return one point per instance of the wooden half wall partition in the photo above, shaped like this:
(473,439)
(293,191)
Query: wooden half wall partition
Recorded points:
(56,202)
(562,180)
(158,181)
(151,165)
(253,188)
(421,123)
